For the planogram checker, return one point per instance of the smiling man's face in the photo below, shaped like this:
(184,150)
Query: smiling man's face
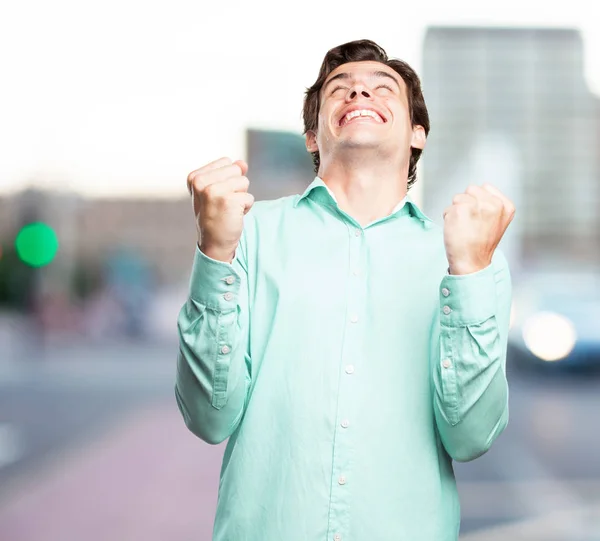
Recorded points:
(364,105)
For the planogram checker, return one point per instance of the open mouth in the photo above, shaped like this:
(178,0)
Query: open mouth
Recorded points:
(362,114)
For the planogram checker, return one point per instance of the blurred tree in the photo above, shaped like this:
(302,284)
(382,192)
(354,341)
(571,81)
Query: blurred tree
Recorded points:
(19,282)
(16,280)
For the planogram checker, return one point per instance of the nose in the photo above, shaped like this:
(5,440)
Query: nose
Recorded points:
(358,90)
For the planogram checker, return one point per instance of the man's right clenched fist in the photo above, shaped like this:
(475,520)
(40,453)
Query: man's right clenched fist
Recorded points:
(221,199)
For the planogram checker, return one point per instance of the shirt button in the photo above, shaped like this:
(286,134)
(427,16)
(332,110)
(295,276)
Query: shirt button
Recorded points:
(446,363)
(445,291)
(354,318)
(228,296)
(230,280)
(342,480)
(337,537)
(446,310)
(225,349)
(350,369)
(357,232)
(345,423)
(356,272)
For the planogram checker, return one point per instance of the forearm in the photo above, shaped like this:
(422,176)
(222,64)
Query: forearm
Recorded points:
(471,391)
(212,378)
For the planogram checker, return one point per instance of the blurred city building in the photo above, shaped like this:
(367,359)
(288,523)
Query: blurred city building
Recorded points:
(510,106)
(90,231)
(114,256)
(117,254)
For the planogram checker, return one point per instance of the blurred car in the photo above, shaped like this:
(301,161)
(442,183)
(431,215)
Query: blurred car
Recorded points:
(555,321)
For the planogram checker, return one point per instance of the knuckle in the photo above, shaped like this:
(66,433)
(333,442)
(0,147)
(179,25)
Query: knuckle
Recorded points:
(198,184)
(495,202)
(225,203)
(220,163)
(209,191)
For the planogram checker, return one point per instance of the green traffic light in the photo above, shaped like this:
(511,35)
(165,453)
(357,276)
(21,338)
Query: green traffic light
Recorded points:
(36,244)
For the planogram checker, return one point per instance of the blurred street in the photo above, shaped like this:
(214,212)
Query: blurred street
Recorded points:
(92,447)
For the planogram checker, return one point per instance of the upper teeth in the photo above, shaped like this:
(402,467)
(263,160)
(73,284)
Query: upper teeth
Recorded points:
(362,112)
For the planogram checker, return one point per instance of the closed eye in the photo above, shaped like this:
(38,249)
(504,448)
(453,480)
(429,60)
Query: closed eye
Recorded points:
(385,86)
(336,89)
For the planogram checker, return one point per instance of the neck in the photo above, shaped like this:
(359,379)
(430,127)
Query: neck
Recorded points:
(367,191)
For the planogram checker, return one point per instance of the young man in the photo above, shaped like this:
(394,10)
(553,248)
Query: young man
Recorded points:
(348,347)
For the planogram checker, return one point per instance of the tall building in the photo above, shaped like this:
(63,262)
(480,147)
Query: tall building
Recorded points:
(510,106)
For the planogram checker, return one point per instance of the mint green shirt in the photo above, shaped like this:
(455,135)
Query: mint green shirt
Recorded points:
(348,370)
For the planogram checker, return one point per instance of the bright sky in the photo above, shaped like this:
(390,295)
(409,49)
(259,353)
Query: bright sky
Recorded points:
(126,97)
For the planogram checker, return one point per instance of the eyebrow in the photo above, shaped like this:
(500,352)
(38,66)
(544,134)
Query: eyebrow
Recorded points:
(373,74)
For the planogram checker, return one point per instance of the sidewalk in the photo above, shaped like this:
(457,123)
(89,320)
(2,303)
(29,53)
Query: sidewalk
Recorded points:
(146,479)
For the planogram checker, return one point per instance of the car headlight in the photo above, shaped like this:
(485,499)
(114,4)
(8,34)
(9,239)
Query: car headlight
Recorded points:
(549,336)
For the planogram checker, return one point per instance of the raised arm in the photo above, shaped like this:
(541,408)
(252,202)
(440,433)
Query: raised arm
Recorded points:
(213,364)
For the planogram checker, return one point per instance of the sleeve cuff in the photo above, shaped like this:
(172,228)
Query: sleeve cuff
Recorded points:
(468,299)
(215,284)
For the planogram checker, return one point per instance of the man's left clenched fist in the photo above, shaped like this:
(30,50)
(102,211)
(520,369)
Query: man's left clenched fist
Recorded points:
(473,227)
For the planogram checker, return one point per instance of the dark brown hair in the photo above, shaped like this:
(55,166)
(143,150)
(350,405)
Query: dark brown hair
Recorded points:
(365,50)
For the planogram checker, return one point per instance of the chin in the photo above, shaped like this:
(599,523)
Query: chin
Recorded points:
(361,142)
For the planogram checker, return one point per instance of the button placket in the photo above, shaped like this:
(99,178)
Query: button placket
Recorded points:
(351,352)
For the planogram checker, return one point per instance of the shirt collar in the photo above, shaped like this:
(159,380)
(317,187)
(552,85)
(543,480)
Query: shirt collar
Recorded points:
(319,191)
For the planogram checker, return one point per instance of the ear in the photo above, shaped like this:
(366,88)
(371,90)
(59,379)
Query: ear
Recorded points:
(311,141)
(418,137)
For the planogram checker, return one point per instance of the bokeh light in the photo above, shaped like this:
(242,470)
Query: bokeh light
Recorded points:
(549,336)
(36,244)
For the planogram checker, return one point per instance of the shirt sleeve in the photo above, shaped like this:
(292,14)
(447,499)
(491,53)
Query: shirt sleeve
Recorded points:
(213,363)
(469,364)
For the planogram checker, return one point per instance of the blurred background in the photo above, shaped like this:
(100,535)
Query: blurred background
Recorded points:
(105,109)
